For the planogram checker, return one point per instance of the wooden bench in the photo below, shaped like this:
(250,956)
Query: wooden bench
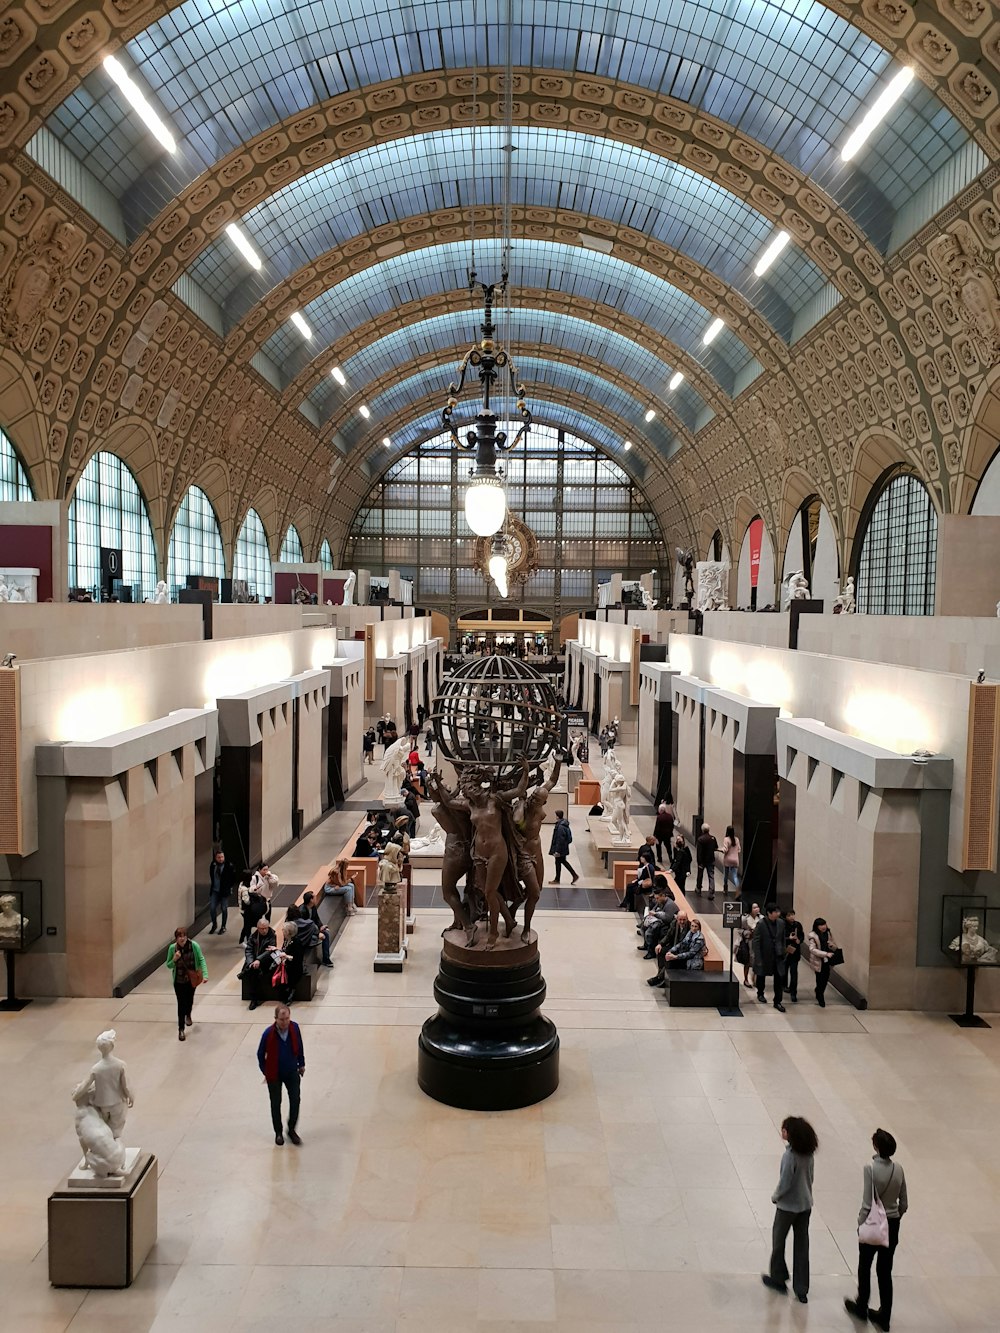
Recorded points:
(362,869)
(709,988)
(717,959)
(588,789)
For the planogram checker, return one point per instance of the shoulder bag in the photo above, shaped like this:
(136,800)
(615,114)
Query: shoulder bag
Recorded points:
(874,1230)
(836,957)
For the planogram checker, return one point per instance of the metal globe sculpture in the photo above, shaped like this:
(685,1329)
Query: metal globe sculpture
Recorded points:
(494,712)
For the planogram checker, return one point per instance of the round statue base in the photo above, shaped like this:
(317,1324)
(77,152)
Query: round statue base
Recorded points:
(488,1048)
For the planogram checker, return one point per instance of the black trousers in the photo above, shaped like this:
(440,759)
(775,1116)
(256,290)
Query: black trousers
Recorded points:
(779,989)
(798,1225)
(882,1255)
(562,861)
(185,1000)
(293,1083)
(792,976)
(822,980)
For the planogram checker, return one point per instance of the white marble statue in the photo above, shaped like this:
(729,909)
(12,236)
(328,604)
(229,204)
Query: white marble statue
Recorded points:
(972,947)
(612,768)
(846,603)
(798,587)
(713,581)
(394,766)
(162,595)
(349,583)
(107,1085)
(102,1152)
(433,842)
(619,795)
(15,594)
(4,591)
(12,924)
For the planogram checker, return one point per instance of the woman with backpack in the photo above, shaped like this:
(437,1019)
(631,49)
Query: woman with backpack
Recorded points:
(884,1179)
(793,1201)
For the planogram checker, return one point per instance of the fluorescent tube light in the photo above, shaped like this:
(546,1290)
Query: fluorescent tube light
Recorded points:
(140,103)
(713,331)
(876,113)
(628,445)
(299,321)
(771,253)
(676,380)
(243,245)
(650,415)
(365,411)
(338,375)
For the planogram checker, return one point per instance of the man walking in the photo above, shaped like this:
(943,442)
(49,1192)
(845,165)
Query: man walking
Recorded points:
(282,1062)
(680,861)
(562,836)
(220,881)
(768,949)
(706,847)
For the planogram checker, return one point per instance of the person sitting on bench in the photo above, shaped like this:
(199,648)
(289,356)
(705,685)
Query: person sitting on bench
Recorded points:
(660,915)
(689,953)
(260,952)
(308,909)
(642,883)
(670,939)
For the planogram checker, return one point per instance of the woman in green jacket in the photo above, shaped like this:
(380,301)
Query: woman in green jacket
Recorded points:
(187,965)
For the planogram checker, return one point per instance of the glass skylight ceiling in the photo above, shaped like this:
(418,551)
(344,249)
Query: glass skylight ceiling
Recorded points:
(790,73)
(527,328)
(542,264)
(551,169)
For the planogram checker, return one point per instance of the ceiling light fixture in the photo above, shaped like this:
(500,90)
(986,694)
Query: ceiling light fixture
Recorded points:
(338,375)
(650,415)
(713,331)
(298,319)
(140,103)
(387,442)
(771,253)
(676,380)
(365,411)
(876,113)
(628,445)
(242,244)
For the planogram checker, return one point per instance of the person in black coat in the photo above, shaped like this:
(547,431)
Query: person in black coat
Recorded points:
(259,965)
(680,861)
(221,878)
(768,952)
(794,937)
(706,848)
(659,917)
(308,909)
(562,836)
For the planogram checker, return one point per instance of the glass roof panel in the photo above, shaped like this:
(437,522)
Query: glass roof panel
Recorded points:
(542,264)
(791,73)
(552,169)
(526,327)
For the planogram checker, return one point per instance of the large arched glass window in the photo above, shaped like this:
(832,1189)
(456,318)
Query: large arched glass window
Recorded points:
(14,483)
(291,547)
(898,560)
(253,559)
(195,542)
(326,555)
(108,509)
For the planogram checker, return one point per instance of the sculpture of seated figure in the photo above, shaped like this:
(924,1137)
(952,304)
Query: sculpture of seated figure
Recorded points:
(973,949)
(162,595)
(434,841)
(107,1085)
(846,603)
(798,587)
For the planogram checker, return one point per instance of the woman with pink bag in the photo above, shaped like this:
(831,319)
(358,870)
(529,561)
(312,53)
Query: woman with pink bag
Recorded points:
(884,1203)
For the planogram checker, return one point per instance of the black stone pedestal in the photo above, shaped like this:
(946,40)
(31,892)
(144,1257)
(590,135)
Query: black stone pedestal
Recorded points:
(488,1048)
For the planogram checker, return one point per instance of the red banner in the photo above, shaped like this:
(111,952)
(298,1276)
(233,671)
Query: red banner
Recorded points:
(756,535)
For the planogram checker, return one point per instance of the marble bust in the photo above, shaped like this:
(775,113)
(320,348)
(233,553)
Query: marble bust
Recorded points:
(12,924)
(973,948)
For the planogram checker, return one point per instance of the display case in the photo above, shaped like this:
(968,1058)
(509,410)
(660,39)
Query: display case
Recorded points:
(970,931)
(20,913)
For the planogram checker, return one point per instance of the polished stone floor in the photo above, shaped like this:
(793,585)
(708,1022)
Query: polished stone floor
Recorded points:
(636,1198)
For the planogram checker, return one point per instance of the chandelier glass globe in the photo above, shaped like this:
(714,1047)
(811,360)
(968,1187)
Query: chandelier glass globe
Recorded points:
(485,506)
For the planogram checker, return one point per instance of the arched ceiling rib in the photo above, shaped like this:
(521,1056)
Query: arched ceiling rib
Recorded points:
(552,169)
(543,264)
(538,366)
(569,338)
(793,75)
(600,316)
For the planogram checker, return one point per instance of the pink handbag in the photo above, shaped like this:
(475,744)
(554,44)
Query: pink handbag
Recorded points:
(874,1230)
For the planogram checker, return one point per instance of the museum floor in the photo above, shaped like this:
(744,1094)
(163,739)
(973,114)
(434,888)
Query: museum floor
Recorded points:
(637,1197)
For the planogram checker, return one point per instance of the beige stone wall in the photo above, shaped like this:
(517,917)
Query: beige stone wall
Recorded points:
(312,767)
(968,558)
(66,629)
(718,773)
(276,793)
(129,870)
(645,759)
(686,795)
(238,620)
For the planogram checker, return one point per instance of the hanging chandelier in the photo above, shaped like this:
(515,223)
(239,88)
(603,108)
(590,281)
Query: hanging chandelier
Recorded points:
(485,501)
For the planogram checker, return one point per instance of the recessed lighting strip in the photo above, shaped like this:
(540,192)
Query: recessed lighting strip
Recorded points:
(140,103)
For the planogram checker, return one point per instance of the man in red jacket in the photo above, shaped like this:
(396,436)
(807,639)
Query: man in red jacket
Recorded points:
(282,1060)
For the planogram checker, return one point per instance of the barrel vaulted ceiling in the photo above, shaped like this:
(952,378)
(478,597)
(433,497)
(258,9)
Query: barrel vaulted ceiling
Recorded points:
(658,147)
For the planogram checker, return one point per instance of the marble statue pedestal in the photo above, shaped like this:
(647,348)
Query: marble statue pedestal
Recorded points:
(489,1048)
(391,953)
(82,1178)
(101,1237)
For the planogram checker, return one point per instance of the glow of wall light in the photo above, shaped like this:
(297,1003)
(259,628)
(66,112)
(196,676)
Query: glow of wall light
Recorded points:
(237,672)
(725,670)
(892,722)
(94,713)
(680,654)
(324,652)
(767,684)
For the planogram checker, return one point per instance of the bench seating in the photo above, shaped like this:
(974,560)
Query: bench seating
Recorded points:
(588,789)
(710,988)
(717,959)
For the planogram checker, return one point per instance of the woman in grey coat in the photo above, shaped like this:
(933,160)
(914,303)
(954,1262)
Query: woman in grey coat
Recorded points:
(793,1201)
(890,1185)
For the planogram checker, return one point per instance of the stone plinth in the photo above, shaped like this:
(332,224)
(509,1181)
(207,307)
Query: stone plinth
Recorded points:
(391,932)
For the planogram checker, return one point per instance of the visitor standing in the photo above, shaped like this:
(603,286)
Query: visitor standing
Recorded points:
(792,1208)
(368,746)
(429,740)
(705,849)
(187,967)
(220,882)
(680,861)
(663,829)
(768,954)
(820,946)
(794,939)
(562,837)
(731,850)
(744,950)
(282,1061)
(884,1179)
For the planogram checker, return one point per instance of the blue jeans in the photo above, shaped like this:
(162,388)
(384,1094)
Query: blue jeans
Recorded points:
(346,891)
(215,902)
(731,875)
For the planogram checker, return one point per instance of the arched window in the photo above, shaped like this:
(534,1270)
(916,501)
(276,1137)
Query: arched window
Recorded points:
(291,547)
(898,559)
(326,555)
(195,542)
(253,559)
(108,509)
(14,483)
